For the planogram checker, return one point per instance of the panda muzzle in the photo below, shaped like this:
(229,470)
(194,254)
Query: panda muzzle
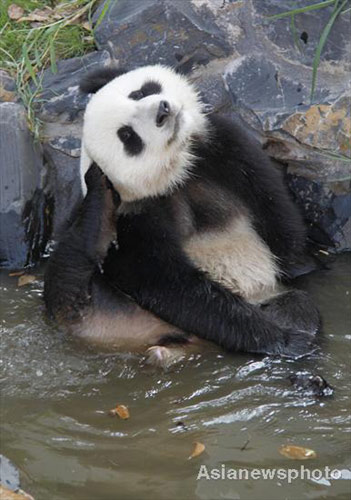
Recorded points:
(164,111)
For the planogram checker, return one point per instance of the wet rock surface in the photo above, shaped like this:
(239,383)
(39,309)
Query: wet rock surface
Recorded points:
(308,29)
(21,170)
(247,66)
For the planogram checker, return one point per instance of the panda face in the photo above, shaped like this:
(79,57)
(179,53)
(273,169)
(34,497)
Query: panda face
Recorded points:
(139,128)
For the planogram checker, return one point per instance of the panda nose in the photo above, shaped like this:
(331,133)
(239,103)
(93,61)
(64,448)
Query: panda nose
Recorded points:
(164,110)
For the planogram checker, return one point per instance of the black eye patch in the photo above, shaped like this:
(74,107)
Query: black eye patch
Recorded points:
(132,142)
(136,95)
(149,88)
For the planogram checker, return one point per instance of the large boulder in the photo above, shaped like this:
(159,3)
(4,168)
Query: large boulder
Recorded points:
(24,220)
(160,31)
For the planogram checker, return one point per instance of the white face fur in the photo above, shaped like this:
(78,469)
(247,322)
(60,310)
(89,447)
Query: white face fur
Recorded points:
(139,127)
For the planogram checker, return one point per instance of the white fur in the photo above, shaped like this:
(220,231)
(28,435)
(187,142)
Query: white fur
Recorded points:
(237,258)
(161,165)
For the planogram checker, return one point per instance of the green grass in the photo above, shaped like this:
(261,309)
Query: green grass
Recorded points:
(26,50)
(69,40)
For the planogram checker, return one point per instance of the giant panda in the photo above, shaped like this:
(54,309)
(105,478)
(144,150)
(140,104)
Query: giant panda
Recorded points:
(186,231)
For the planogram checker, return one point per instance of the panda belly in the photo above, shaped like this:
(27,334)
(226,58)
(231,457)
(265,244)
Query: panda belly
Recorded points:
(132,331)
(237,258)
(115,321)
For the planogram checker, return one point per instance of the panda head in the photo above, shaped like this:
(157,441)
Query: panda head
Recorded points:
(139,127)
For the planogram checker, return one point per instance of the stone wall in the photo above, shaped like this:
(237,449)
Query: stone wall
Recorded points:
(246,66)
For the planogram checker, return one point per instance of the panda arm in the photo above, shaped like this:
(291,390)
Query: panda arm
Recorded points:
(151,267)
(69,273)
(238,163)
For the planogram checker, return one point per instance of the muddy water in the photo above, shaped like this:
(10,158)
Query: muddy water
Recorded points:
(55,397)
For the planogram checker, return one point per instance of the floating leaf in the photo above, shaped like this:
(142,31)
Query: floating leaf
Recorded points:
(15,12)
(25,279)
(197,450)
(297,452)
(120,410)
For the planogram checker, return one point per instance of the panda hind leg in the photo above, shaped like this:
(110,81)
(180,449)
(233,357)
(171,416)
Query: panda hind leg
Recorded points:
(293,309)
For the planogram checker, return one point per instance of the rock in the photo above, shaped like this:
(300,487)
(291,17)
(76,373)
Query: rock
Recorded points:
(160,31)
(213,92)
(326,126)
(311,385)
(24,227)
(60,99)
(9,475)
(326,204)
(63,185)
(10,482)
(308,26)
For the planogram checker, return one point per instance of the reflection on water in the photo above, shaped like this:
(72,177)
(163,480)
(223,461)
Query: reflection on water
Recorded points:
(56,394)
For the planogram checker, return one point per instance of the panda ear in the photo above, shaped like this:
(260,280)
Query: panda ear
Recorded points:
(97,78)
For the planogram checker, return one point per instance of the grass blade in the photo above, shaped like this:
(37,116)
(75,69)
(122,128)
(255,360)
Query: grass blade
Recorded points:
(314,6)
(321,43)
(102,13)
(28,63)
(53,56)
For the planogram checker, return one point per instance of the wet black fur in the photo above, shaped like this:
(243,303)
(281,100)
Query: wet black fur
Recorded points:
(150,266)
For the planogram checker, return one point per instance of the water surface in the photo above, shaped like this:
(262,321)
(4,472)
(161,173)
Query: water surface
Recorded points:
(56,395)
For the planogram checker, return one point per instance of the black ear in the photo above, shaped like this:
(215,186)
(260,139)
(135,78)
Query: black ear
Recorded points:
(99,77)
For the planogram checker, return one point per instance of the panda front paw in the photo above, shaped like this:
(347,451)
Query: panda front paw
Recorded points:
(115,195)
(95,178)
(295,344)
(97,181)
